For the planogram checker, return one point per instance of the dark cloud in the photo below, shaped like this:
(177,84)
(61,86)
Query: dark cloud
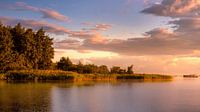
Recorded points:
(187,25)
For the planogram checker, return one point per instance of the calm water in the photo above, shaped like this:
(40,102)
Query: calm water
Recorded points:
(174,96)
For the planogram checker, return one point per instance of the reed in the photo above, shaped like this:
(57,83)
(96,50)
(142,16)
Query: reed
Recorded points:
(39,75)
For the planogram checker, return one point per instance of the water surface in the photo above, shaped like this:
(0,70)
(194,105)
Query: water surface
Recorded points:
(130,96)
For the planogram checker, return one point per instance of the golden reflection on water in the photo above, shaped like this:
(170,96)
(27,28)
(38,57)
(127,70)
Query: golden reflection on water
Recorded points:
(103,96)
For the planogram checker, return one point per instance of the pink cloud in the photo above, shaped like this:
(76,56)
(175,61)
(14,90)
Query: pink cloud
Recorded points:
(175,8)
(102,27)
(157,42)
(47,13)
(89,36)
(48,27)
(97,27)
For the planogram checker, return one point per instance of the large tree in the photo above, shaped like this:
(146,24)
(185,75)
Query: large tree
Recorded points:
(22,48)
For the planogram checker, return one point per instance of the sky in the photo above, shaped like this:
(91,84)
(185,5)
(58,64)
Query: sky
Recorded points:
(156,36)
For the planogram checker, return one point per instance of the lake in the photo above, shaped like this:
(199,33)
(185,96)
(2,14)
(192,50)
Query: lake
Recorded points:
(180,95)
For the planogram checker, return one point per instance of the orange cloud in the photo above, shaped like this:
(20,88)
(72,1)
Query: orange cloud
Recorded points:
(88,36)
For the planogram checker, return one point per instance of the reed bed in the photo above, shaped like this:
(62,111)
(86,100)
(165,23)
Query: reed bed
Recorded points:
(39,75)
(65,75)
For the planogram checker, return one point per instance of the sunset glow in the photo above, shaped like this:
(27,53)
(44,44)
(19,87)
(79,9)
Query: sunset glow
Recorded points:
(156,36)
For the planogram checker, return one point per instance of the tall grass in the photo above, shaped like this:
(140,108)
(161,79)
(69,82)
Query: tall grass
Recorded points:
(39,75)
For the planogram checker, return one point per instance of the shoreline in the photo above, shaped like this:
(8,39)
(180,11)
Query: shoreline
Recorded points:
(58,75)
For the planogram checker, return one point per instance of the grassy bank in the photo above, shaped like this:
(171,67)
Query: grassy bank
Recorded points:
(39,75)
(64,75)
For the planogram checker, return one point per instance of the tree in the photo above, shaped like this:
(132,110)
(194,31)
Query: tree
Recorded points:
(80,67)
(45,49)
(64,64)
(6,45)
(90,68)
(18,39)
(103,69)
(130,69)
(23,48)
(29,48)
(115,69)
(19,48)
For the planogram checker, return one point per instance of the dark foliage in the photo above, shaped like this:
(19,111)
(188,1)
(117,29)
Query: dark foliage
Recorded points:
(22,48)
(67,65)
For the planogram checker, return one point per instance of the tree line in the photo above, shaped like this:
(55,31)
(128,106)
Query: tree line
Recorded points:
(23,48)
(67,65)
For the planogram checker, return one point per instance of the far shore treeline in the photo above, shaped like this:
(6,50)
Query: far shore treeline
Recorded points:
(26,54)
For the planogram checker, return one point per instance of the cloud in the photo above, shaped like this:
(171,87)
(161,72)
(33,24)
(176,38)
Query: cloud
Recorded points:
(160,41)
(68,44)
(47,13)
(23,6)
(175,50)
(48,27)
(175,8)
(103,27)
(96,27)
(145,46)
(187,25)
(157,42)
(160,33)
(89,36)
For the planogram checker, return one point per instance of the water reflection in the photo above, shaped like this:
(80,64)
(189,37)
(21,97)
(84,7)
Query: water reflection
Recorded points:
(24,97)
(174,96)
